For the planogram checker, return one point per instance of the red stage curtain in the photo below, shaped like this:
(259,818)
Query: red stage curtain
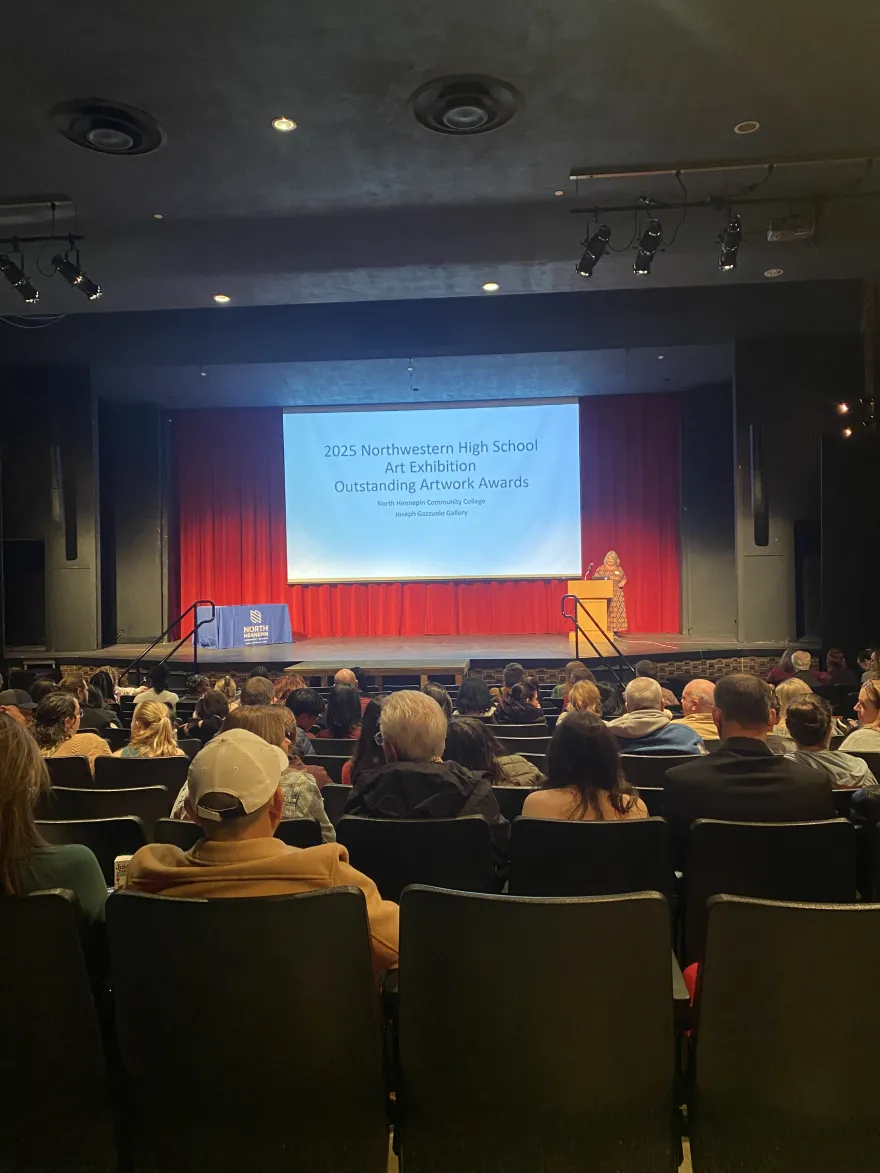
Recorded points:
(230,489)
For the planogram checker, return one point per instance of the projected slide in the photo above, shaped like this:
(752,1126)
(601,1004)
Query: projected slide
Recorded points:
(433,493)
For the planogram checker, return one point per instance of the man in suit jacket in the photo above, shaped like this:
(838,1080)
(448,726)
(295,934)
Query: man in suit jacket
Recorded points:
(743,781)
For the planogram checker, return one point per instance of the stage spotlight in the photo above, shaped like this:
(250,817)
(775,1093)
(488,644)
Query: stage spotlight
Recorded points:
(648,246)
(842,408)
(75,277)
(593,250)
(15,275)
(731,238)
(847,432)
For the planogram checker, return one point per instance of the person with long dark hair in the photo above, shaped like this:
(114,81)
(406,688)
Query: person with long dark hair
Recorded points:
(584,779)
(475,700)
(472,744)
(342,718)
(368,754)
(211,711)
(521,705)
(441,696)
(57,732)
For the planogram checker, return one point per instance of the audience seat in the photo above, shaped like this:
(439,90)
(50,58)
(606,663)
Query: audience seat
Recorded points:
(335,797)
(650,769)
(771,861)
(148,803)
(299,832)
(536,729)
(785,1081)
(535,1034)
(116,738)
(185,835)
(652,797)
(538,760)
(870,758)
(451,853)
(510,800)
(332,764)
(70,772)
(337,747)
(523,745)
(552,857)
(190,746)
(119,773)
(55,1112)
(206,1085)
(107,838)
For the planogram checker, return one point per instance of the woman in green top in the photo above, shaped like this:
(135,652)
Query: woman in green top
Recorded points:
(27,864)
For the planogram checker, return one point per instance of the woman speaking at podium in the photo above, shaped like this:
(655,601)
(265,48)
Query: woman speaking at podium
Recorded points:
(613,571)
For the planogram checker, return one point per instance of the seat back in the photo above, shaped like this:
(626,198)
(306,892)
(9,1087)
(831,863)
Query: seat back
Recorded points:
(185,835)
(51,1040)
(514,732)
(652,797)
(116,738)
(190,746)
(72,771)
(107,838)
(148,803)
(510,800)
(339,747)
(299,832)
(529,745)
(770,861)
(185,1016)
(552,857)
(452,853)
(782,1082)
(335,797)
(119,773)
(538,760)
(870,757)
(644,769)
(573,1086)
(332,764)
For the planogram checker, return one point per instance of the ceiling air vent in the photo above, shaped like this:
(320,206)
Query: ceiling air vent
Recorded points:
(464,105)
(108,127)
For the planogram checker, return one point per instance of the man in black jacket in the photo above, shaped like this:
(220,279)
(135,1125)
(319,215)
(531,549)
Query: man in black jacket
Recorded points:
(415,783)
(743,781)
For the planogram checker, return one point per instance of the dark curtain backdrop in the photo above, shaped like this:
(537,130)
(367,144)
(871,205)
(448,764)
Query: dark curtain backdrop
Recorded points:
(232,545)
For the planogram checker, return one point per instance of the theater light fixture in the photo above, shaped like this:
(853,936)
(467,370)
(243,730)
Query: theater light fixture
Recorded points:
(284,124)
(490,286)
(731,238)
(648,245)
(842,408)
(593,248)
(222,298)
(17,278)
(847,432)
(73,274)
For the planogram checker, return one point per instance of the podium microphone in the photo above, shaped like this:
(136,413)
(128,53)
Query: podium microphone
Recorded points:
(589,570)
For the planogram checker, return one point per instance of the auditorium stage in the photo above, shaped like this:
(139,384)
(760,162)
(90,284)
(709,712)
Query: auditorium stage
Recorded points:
(425,655)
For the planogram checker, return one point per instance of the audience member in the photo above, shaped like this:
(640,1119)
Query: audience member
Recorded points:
(866,739)
(521,705)
(211,711)
(786,692)
(354,677)
(802,662)
(256,690)
(583,697)
(578,675)
(236,796)
(259,672)
(866,660)
(697,703)
(585,781)
(511,675)
(152,734)
(646,728)
(743,781)
(572,672)
(368,753)
(158,690)
(302,798)
(472,744)
(56,728)
(105,683)
(475,700)
(22,678)
(286,683)
(93,715)
(810,725)
(227,685)
(18,705)
(784,669)
(307,705)
(342,717)
(415,782)
(196,686)
(42,687)
(27,864)
(441,696)
(837,669)
(648,670)
(612,701)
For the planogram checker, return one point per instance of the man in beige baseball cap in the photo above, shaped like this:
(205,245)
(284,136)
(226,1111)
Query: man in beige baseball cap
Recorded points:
(235,798)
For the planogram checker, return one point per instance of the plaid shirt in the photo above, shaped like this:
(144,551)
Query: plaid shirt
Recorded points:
(302,800)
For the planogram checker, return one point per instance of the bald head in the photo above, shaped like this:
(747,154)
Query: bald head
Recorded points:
(345,676)
(698,697)
(643,693)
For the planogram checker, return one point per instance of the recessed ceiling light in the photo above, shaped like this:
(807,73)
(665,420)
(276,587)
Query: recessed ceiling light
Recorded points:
(847,432)
(661,357)
(158,216)
(222,298)
(747,127)
(283,123)
(773,272)
(559,192)
(491,286)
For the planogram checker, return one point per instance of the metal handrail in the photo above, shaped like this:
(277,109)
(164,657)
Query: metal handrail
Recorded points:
(578,630)
(196,625)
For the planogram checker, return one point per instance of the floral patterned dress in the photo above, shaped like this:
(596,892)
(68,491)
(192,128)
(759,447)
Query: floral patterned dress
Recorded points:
(617,620)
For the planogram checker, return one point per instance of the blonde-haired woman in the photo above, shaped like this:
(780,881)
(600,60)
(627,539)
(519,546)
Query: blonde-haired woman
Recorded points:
(788,691)
(56,729)
(27,864)
(612,571)
(583,697)
(227,686)
(152,734)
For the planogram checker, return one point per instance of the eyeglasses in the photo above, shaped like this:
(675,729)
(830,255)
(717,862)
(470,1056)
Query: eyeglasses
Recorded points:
(379,739)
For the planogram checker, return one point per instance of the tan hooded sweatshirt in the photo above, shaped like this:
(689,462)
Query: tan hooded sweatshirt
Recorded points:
(262,867)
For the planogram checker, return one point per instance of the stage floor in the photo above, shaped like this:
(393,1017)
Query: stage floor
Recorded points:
(437,653)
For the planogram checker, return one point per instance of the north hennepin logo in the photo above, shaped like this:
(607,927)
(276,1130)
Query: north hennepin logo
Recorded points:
(256,616)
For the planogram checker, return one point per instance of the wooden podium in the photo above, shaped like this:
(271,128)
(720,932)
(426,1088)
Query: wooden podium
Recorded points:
(595,593)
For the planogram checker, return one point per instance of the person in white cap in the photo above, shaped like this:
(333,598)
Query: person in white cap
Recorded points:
(235,797)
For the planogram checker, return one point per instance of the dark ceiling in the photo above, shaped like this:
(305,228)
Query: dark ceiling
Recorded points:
(361,202)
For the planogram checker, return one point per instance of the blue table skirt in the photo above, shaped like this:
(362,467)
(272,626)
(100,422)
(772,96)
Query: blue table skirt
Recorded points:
(245,627)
